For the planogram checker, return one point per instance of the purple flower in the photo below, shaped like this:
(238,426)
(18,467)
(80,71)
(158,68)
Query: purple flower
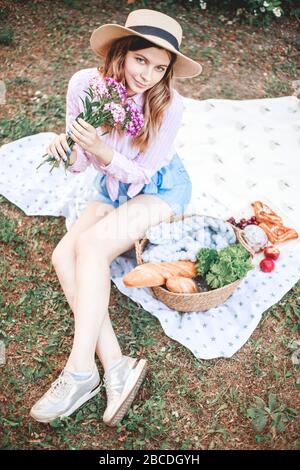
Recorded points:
(98,87)
(118,88)
(135,120)
(117,111)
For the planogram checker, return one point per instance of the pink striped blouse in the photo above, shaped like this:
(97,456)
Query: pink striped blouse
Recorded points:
(127,164)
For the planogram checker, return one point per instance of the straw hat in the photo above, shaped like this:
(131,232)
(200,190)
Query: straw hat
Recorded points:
(153,25)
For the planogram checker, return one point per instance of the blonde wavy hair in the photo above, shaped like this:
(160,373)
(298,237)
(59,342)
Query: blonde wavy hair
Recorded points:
(157,99)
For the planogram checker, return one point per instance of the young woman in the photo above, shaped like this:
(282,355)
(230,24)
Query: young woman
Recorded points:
(141,181)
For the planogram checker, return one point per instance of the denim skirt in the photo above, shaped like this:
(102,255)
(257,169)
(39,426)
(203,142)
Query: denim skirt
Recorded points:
(171,183)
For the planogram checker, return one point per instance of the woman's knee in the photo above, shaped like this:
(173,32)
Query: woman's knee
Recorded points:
(85,244)
(61,252)
(75,240)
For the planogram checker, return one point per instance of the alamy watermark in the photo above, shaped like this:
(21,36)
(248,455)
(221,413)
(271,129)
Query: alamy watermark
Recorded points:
(130,222)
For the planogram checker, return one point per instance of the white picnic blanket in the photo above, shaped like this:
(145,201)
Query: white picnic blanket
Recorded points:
(236,152)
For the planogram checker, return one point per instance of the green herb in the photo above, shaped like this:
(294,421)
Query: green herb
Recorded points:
(226,266)
(205,258)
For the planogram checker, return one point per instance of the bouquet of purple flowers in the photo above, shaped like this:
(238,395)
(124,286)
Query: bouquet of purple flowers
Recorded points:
(106,104)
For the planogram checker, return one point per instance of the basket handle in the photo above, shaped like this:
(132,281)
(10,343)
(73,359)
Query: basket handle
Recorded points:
(241,237)
(138,249)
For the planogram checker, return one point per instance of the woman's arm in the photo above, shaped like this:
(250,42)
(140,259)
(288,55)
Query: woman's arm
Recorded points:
(73,108)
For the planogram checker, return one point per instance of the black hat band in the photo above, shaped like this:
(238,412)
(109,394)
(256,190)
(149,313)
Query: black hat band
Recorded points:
(159,32)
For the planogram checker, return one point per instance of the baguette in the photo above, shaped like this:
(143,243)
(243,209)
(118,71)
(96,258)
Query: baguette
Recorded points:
(180,284)
(156,274)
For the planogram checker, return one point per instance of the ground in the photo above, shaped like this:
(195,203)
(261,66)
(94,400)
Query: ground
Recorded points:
(185,403)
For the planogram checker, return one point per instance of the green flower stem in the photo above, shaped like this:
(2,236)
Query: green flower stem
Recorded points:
(94,120)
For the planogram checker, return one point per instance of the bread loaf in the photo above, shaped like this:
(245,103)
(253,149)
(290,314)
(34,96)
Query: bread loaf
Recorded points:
(155,274)
(272,224)
(264,213)
(278,233)
(181,285)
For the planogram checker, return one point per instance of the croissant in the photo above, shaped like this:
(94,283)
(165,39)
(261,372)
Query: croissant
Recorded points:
(264,213)
(181,284)
(155,274)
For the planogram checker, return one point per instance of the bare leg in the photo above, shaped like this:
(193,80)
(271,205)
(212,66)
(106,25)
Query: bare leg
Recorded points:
(64,262)
(91,304)
(107,349)
(95,250)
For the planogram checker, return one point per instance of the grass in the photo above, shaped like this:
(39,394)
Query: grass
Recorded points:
(246,402)
(276,87)
(6,35)
(40,113)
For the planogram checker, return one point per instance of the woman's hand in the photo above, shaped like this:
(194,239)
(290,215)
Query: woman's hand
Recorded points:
(60,149)
(85,135)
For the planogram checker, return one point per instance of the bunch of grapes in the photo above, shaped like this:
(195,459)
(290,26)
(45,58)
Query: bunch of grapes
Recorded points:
(243,222)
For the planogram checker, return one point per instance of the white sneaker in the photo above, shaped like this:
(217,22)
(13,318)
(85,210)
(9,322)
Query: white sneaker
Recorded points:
(122,383)
(65,395)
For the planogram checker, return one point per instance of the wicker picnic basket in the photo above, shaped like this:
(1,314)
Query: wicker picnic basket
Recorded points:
(201,301)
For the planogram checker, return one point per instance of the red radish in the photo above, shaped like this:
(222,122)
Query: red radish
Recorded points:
(271,252)
(267,265)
